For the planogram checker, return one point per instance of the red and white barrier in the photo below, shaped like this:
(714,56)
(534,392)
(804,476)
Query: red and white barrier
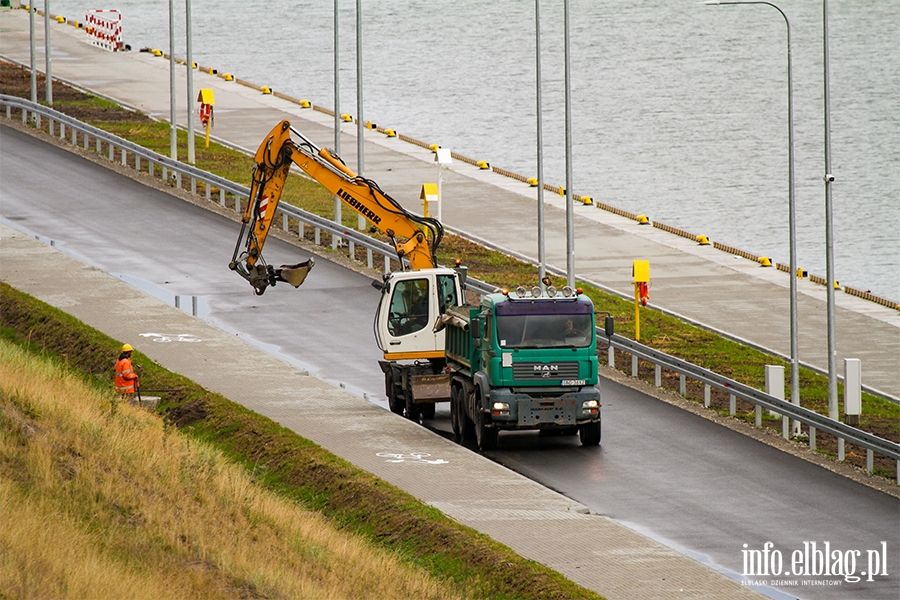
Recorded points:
(104,29)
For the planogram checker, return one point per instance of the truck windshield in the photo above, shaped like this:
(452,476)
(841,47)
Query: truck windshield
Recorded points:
(544,325)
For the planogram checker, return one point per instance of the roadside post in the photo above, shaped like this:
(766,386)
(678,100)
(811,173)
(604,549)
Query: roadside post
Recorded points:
(206,99)
(442,157)
(852,390)
(774,376)
(640,272)
(430,193)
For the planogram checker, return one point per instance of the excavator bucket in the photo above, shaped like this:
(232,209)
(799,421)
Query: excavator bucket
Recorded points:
(295,274)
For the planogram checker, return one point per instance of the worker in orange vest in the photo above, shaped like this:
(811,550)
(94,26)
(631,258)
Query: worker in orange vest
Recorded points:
(126,378)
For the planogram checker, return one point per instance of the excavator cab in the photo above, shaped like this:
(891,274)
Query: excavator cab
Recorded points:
(411,303)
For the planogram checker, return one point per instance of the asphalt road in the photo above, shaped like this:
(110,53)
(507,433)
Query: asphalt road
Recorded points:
(700,488)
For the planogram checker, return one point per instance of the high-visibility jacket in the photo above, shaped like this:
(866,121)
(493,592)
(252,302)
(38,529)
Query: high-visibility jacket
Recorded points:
(125,376)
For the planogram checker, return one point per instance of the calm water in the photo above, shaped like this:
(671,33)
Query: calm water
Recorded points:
(679,109)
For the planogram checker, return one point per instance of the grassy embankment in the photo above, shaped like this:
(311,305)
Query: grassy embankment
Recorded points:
(659,331)
(103,500)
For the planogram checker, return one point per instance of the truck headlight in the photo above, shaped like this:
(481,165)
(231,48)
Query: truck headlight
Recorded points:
(500,409)
(588,404)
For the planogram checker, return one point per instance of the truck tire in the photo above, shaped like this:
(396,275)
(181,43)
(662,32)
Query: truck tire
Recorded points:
(589,434)
(395,403)
(413,411)
(486,437)
(456,414)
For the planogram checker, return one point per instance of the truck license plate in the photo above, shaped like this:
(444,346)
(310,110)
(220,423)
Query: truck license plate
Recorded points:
(572,382)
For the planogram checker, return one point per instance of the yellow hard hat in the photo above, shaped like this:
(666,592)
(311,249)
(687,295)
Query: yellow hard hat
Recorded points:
(127,348)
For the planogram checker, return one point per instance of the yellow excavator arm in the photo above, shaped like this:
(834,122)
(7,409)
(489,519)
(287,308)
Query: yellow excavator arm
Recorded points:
(414,237)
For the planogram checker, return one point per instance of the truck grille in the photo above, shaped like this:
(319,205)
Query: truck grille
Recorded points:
(550,370)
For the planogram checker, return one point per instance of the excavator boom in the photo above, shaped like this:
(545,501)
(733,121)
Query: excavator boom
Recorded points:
(413,236)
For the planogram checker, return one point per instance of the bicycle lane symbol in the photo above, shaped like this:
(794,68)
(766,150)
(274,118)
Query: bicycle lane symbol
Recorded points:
(413,457)
(171,337)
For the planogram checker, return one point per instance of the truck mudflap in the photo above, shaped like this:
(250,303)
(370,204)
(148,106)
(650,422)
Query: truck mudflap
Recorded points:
(522,411)
(430,388)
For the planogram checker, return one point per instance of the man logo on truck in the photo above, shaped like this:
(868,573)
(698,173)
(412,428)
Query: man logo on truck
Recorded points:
(545,370)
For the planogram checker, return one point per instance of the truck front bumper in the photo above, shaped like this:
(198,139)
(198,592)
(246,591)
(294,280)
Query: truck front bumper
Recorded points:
(513,410)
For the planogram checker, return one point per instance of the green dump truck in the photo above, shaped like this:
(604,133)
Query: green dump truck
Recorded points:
(523,361)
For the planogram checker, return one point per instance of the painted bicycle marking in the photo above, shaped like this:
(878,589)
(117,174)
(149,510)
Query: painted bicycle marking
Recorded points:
(171,337)
(415,457)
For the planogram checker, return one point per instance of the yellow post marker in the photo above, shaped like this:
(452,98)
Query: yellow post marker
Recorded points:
(428,194)
(206,98)
(640,272)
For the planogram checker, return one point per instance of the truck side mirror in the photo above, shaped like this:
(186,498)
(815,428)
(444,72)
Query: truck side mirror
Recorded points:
(609,326)
(476,332)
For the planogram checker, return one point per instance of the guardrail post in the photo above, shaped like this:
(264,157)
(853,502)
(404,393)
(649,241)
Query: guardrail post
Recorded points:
(124,158)
(870,460)
(634,365)
(758,414)
(732,404)
(657,375)
(284,222)
(221,197)
(62,130)
(50,126)
(387,263)
(706,395)
(301,229)
(682,384)
(98,145)
(369,257)
(611,357)
(812,438)
(351,247)
(316,235)
(841,449)
(74,137)
(193,186)
(137,162)
(112,152)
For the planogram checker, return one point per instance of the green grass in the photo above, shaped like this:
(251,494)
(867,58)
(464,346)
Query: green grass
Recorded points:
(292,466)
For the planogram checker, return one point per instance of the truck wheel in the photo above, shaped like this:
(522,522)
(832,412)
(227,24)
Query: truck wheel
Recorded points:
(412,411)
(589,434)
(456,415)
(396,404)
(486,437)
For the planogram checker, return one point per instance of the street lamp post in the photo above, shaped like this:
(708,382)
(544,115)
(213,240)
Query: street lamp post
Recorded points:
(829,233)
(570,205)
(360,124)
(173,126)
(335,240)
(542,266)
(190,82)
(48,77)
(795,365)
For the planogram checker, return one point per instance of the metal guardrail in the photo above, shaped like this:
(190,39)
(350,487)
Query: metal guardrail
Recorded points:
(660,360)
